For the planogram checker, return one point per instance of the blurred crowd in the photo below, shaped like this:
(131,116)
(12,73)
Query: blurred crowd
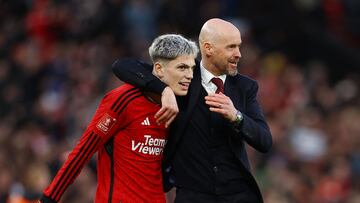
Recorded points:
(55,66)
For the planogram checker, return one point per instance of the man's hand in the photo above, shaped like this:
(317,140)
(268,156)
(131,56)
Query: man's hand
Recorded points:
(169,108)
(222,104)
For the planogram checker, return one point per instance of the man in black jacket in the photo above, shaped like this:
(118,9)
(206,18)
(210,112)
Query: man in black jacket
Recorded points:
(205,157)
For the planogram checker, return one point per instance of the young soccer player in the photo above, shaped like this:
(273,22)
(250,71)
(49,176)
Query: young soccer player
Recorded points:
(125,134)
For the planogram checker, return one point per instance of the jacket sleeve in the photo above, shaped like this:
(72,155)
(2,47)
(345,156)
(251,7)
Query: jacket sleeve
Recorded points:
(254,128)
(138,74)
(104,124)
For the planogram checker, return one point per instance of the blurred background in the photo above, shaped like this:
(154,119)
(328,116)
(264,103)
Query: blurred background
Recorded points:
(55,66)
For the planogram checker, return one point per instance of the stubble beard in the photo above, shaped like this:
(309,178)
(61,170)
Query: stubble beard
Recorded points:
(232,72)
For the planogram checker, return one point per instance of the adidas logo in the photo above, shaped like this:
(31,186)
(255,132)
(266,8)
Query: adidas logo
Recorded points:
(146,121)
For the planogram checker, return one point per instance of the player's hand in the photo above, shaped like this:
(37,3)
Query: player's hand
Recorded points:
(222,104)
(169,108)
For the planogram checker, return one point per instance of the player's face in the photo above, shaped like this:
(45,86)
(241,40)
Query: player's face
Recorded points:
(227,53)
(178,73)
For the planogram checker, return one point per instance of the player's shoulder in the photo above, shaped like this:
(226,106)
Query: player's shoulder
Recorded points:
(125,90)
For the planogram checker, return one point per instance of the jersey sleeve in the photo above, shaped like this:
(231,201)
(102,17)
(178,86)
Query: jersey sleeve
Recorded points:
(109,118)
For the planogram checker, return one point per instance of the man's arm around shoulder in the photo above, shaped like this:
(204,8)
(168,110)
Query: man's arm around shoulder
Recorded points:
(138,74)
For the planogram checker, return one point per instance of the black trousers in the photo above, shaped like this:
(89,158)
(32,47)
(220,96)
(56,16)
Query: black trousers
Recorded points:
(184,195)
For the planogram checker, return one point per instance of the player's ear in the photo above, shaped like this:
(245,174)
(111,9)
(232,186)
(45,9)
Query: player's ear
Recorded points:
(159,69)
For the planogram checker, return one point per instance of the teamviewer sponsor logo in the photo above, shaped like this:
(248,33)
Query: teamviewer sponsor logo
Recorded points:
(151,146)
(146,121)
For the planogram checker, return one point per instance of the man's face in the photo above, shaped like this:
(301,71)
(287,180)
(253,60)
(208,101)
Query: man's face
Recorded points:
(226,53)
(177,73)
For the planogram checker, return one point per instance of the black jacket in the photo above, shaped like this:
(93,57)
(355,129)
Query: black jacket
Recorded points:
(242,91)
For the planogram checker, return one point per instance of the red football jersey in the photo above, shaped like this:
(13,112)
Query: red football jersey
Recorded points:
(130,146)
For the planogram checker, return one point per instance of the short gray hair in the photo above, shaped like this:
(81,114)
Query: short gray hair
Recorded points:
(170,46)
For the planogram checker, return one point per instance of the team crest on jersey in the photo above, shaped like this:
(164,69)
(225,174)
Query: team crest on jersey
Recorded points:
(106,123)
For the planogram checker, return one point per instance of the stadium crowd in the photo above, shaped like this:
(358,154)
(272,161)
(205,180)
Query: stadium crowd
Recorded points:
(55,65)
